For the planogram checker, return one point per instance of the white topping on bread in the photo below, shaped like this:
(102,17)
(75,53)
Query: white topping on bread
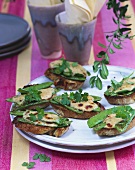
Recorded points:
(128,84)
(85,105)
(111,121)
(78,69)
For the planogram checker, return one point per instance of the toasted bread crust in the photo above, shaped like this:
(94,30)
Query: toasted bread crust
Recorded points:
(35,129)
(113,132)
(62,82)
(71,114)
(121,99)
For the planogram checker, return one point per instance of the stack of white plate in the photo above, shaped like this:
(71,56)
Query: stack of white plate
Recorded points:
(15,35)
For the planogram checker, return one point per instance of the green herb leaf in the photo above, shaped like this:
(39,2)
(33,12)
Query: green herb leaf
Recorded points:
(29,165)
(74,64)
(98,83)
(101,45)
(36,156)
(25,164)
(95,66)
(92,81)
(44,158)
(104,69)
(117,46)
(111,51)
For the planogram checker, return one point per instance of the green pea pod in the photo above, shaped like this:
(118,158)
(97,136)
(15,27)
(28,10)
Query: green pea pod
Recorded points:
(35,87)
(17,113)
(42,104)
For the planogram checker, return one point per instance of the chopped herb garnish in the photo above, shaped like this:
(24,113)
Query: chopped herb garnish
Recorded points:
(28,165)
(33,96)
(40,113)
(64,69)
(33,117)
(65,100)
(41,157)
(74,64)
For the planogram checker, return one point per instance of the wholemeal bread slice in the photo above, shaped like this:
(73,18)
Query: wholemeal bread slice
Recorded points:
(113,132)
(50,124)
(66,75)
(121,93)
(113,121)
(76,105)
(63,111)
(121,99)
(63,82)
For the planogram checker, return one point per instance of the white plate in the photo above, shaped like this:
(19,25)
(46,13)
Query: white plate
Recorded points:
(79,134)
(74,149)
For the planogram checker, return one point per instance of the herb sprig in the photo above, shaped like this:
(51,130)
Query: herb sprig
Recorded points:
(41,157)
(115,41)
(77,96)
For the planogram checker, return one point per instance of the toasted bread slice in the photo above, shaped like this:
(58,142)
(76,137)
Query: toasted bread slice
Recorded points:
(63,82)
(78,105)
(113,132)
(39,130)
(66,75)
(63,111)
(113,121)
(121,93)
(121,99)
(40,122)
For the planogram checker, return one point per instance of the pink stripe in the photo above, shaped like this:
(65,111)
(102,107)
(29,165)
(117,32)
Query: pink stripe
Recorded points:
(14,8)
(67,161)
(133,4)
(7,86)
(125,159)
(125,57)
(1,4)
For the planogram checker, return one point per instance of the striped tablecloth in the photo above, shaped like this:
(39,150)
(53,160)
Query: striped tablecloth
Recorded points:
(20,69)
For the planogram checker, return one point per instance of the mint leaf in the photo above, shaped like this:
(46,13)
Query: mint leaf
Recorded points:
(28,165)
(31,165)
(36,156)
(25,164)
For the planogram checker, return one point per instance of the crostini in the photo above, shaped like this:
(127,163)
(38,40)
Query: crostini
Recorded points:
(33,96)
(76,105)
(114,121)
(121,93)
(66,75)
(40,122)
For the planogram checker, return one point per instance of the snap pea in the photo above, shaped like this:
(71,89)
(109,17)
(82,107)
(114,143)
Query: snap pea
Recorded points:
(34,87)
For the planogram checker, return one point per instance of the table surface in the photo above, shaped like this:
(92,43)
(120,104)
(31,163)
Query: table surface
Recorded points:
(20,69)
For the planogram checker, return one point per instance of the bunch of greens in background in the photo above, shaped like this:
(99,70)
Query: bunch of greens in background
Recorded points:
(115,41)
